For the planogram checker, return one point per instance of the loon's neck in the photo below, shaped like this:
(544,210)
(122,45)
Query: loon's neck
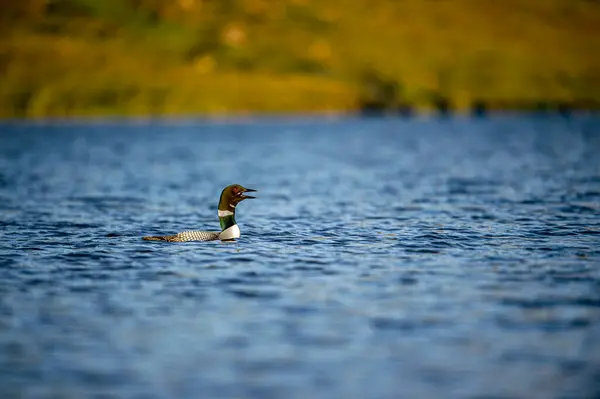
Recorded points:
(226,218)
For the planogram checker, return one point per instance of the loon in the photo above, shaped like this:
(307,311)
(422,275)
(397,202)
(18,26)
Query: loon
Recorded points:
(230,198)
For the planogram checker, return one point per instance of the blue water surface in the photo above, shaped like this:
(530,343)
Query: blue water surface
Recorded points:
(384,258)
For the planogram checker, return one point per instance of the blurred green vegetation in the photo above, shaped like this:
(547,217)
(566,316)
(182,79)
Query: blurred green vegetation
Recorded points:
(182,57)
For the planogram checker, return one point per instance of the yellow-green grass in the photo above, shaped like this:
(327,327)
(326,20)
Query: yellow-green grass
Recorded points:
(300,55)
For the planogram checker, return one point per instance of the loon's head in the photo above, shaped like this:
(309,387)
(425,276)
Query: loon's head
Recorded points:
(233,195)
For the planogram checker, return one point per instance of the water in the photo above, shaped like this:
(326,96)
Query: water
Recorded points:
(382,259)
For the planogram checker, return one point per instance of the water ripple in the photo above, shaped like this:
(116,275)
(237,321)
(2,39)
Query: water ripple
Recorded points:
(447,252)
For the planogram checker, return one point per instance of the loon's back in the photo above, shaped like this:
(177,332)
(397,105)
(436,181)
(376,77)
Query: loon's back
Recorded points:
(186,236)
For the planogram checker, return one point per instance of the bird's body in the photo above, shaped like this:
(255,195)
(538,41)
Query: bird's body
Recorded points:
(230,198)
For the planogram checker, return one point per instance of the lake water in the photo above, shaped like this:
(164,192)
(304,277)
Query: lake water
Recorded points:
(384,258)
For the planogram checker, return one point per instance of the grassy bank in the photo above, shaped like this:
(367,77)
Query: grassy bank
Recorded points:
(153,57)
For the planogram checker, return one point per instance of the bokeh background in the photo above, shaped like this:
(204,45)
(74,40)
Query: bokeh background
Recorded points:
(185,57)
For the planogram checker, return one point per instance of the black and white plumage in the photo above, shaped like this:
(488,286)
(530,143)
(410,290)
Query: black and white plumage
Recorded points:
(187,236)
(231,196)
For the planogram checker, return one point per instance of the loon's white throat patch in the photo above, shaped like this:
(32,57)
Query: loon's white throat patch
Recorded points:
(230,233)
(224,213)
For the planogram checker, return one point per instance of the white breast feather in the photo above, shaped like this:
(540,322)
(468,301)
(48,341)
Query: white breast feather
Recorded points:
(230,233)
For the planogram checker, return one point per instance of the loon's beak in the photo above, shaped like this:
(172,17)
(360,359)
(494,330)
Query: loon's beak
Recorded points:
(245,191)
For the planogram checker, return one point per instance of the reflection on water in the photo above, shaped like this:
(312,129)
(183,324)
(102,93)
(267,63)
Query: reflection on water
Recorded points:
(383,259)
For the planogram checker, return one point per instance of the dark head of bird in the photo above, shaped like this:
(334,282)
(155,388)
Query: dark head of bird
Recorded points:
(233,195)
